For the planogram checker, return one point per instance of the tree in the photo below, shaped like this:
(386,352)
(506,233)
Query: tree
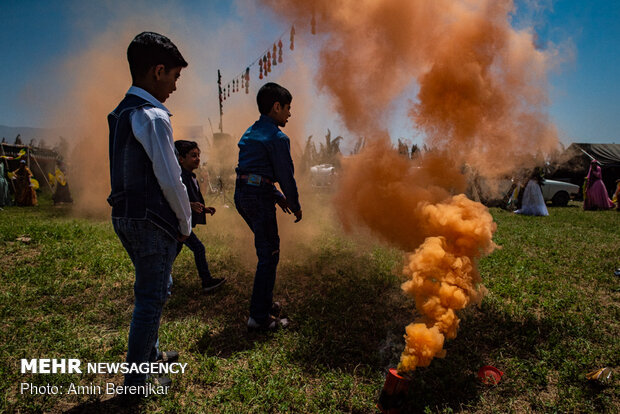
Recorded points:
(330,150)
(403,148)
(62,147)
(359,145)
(309,156)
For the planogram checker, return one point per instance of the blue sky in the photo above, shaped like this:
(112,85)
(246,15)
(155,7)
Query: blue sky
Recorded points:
(37,36)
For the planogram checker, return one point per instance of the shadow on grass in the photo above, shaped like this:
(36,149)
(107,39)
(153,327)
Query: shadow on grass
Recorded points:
(452,382)
(226,309)
(349,313)
(118,404)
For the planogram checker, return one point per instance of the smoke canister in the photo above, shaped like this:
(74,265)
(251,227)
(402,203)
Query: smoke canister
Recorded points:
(394,392)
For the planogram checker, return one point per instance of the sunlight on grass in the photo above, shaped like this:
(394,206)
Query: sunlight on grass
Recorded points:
(551,315)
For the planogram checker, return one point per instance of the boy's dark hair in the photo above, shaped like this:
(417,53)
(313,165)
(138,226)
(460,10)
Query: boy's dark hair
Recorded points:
(271,93)
(183,147)
(151,49)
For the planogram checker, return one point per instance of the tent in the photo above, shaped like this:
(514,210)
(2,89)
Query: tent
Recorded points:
(41,161)
(576,161)
(607,154)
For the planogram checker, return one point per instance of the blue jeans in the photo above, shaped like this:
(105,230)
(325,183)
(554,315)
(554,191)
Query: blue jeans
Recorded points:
(257,207)
(152,252)
(196,246)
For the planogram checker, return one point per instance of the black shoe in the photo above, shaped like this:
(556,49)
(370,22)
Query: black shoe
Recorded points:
(168,357)
(271,324)
(212,284)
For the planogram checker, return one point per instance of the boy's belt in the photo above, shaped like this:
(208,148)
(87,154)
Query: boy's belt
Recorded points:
(253,179)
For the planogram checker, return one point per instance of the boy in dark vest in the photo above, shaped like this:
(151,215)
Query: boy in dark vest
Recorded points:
(150,206)
(189,159)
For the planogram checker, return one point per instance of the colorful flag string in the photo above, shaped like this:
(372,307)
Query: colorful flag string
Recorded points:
(271,56)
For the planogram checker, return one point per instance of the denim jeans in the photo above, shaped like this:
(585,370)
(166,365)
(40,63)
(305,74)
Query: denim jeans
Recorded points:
(196,246)
(152,252)
(257,207)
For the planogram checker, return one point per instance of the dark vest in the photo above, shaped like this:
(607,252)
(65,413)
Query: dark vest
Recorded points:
(135,192)
(195,195)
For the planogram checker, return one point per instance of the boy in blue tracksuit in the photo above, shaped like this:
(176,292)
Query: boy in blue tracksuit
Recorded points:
(264,159)
(189,159)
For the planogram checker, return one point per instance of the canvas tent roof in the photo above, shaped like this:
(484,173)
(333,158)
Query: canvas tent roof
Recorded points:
(607,154)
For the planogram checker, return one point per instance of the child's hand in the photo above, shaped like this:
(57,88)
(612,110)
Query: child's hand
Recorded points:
(210,210)
(196,206)
(283,205)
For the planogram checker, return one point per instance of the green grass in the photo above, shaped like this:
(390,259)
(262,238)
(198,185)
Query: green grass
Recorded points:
(551,315)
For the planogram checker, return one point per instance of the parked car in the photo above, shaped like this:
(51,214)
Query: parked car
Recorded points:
(498,192)
(559,192)
(322,175)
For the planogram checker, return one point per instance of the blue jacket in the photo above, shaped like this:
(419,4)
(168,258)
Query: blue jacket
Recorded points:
(135,190)
(265,150)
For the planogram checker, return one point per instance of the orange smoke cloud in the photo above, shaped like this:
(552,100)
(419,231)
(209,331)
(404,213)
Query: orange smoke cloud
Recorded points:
(480,102)
(481,83)
(409,204)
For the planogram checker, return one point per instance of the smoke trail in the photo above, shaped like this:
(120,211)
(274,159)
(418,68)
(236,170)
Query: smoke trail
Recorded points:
(480,103)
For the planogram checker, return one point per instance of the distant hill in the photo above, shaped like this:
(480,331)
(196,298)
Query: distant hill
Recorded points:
(48,135)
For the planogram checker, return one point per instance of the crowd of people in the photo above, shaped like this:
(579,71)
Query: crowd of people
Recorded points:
(24,186)
(529,198)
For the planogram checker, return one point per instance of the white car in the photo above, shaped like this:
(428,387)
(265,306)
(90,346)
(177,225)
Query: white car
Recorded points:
(322,175)
(490,191)
(559,192)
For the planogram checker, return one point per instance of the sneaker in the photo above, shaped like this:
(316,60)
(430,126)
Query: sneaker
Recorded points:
(271,324)
(162,381)
(168,357)
(212,284)
(276,309)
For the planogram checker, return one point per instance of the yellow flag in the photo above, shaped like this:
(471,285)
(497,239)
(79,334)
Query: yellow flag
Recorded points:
(34,183)
(60,177)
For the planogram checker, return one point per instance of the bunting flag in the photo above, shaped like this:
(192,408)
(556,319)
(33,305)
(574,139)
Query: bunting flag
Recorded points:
(279,51)
(292,37)
(271,56)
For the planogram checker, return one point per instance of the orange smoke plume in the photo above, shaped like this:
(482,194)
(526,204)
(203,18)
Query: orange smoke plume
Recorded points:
(480,102)
(408,204)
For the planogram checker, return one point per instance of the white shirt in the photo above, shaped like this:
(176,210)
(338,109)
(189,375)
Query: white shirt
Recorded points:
(151,127)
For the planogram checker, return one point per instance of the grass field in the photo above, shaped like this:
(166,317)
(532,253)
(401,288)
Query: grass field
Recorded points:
(552,314)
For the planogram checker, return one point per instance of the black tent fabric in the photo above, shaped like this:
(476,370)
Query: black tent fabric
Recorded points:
(607,154)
